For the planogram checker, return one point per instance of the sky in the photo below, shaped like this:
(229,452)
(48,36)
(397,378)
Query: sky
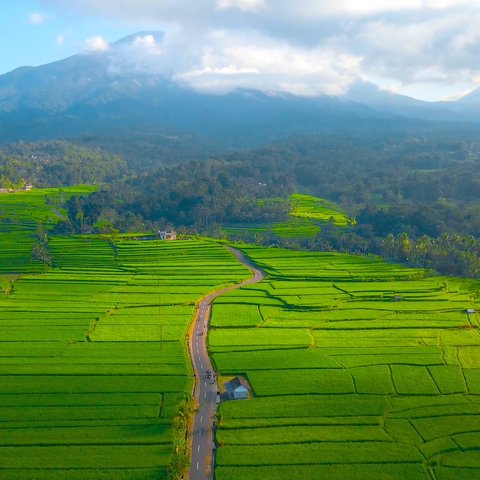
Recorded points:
(427,49)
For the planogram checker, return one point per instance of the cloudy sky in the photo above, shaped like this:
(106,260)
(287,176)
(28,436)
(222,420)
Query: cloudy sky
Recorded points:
(428,49)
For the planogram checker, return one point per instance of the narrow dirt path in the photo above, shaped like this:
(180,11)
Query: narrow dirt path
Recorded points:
(206,388)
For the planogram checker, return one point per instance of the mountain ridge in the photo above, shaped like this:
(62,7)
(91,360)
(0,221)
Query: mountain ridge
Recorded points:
(92,91)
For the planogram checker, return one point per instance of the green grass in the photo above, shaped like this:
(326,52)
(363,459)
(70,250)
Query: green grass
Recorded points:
(306,217)
(347,382)
(21,214)
(324,452)
(93,362)
(306,433)
(293,228)
(396,471)
(308,381)
(306,206)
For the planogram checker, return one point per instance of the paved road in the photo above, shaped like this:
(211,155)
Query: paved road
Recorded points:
(206,388)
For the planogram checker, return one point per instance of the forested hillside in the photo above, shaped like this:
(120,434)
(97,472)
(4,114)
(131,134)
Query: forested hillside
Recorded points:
(57,163)
(414,198)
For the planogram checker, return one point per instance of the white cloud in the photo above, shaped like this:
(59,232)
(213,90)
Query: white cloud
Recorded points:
(60,40)
(146,41)
(306,46)
(457,95)
(248,60)
(144,54)
(96,44)
(373,7)
(244,5)
(182,10)
(37,18)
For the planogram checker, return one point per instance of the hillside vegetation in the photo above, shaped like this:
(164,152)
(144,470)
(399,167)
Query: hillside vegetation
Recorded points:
(413,198)
(305,216)
(26,218)
(306,206)
(93,369)
(57,164)
(358,367)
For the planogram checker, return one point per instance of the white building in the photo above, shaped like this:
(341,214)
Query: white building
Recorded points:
(167,234)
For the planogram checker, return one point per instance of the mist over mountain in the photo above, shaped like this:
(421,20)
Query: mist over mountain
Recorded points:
(131,85)
(466,108)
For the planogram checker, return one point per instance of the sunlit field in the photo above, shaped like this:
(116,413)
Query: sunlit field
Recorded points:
(21,214)
(93,361)
(359,369)
(306,216)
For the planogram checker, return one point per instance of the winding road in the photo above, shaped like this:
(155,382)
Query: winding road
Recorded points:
(205,392)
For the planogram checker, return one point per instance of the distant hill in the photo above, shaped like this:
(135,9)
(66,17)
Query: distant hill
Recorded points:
(102,92)
(369,94)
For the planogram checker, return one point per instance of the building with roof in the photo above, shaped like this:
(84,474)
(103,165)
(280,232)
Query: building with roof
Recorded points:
(167,234)
(237,389)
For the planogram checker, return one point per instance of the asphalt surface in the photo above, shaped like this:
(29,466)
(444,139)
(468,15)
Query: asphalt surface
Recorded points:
(206,388)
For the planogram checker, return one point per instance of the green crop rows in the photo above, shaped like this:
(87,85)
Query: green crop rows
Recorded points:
(306,206)
(294,228)
(348,381)
(307,214)
(92,358)
(21,214)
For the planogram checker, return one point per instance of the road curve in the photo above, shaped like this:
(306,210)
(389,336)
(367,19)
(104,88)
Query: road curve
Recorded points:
(205,391)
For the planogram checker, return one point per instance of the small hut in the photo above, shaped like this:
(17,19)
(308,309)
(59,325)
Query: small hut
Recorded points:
(237,389)
(167,234)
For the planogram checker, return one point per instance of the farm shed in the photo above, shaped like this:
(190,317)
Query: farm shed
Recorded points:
(167,234)
(237,389)
(26,188)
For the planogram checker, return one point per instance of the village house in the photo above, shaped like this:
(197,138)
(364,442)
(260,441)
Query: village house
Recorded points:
(167,234)
(26,188)
(237,389)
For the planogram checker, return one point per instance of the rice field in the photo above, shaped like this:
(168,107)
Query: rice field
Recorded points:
(93,362)
(359,369)
(306,206)
(21,214)
(307,214)
(294,228)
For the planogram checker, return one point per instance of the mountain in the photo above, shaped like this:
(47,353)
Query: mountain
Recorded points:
(369,94)
(382,100)
(117,90)
(470,102)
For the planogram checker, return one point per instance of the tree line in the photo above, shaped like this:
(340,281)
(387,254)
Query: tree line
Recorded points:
(425,189)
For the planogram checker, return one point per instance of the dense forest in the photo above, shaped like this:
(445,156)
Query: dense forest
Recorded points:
(415,198)
(57,163)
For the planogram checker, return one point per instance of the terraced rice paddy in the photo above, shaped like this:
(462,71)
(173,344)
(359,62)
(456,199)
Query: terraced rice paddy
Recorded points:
(306,217)
(306,206)
(21,213)
(348,382)
(294,228)
(92,358)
